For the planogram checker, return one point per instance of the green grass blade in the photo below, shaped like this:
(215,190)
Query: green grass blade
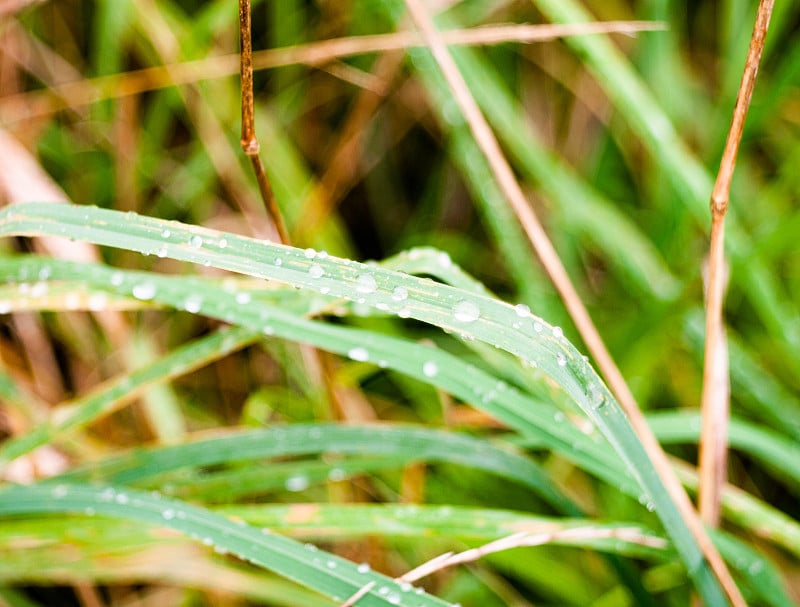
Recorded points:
(326,573)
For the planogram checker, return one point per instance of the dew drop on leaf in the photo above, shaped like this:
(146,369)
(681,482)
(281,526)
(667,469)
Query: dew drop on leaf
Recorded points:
(400,294)
(365,283)
(296,483)
(359,354)
(430,369)
(522,310)
(466,311)
(196,241)
(316,271)
(144,291)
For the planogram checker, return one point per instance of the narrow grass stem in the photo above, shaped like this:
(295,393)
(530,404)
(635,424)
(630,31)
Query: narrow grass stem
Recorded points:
(558,274)
(249,141)
(715,400)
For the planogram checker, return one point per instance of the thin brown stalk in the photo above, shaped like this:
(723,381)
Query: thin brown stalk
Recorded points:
(527,539)
(715,403)
(249,140)
(558,275)
(85,92)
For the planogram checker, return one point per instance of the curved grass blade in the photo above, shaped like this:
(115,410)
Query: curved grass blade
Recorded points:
(406,442)
(470,315)
(326,573)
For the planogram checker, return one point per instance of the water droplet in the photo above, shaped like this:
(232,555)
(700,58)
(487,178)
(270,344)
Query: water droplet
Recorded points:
(359,354)
(44,273)
(363,568)
(336,474)
(393,598)
(596,397)
(196,241)
(316,271)
(400,294)
(121,498)
(161,252)
(755,567)
(310,253)
(243,298)
(59,491)
(324,290)
(537,326)
(558,332)
(561,359)
(297,483)
(466,311)
(168,514)
(278,261)
(444,260)
(430,369)
(73,301)
(144,291)
(165,234)
(117,278)
(193,303)
(365,283)
(404,312)
(97,301)
(522,310)
(331,564)
(223,243)
(39,289)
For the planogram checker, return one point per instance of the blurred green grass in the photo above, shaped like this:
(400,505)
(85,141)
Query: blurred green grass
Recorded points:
(623,201)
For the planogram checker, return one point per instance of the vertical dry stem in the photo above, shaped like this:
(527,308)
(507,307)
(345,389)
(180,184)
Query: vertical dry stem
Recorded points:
(558,274)
(715,398)
(250,143)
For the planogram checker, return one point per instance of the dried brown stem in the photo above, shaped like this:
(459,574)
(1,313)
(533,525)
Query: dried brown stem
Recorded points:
(558,275)
(715,403)
(249,140)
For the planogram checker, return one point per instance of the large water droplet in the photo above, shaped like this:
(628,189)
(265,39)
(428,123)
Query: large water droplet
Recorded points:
(561,359)
(430,369)
(522,310)
(316,271)
(193,303)
(310,253)
(365,283)
(222,243)
(196,241)
(243,297)
(466,311)
(400,294)
(296,483)
(558,332)
(144,291)
(359,354)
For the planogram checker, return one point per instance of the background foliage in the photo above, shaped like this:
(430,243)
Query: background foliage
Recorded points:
(369,158)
